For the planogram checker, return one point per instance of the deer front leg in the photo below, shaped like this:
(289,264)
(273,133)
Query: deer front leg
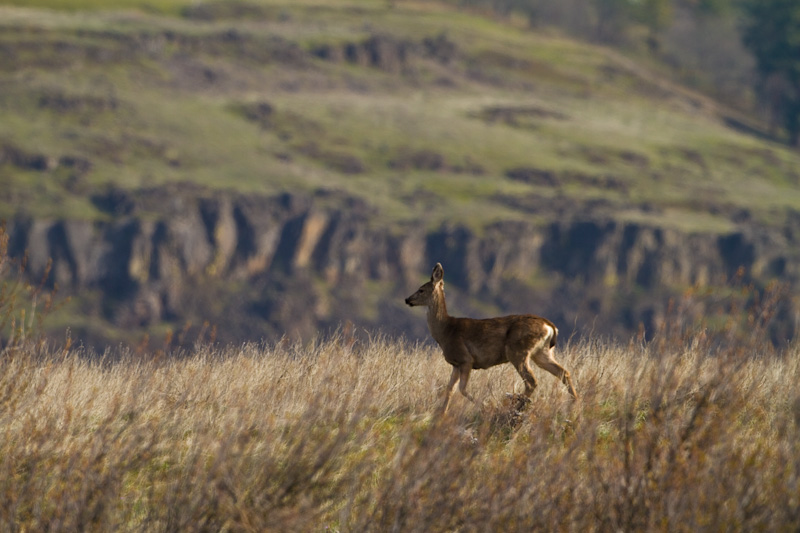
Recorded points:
(462,385)
(450,388)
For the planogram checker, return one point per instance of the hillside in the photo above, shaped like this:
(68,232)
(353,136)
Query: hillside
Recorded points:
(276,167)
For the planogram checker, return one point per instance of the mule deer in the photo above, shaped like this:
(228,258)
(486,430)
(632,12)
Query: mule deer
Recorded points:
(469,343)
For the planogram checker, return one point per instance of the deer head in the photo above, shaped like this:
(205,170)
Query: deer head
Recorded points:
(424,295)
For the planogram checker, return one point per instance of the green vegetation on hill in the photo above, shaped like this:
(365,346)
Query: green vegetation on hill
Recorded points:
(425,131)
(425,111)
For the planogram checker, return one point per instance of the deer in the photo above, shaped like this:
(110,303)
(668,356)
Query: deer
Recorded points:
(471,344)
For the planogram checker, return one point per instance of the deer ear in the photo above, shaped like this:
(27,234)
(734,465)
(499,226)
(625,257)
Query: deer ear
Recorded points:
(438,273)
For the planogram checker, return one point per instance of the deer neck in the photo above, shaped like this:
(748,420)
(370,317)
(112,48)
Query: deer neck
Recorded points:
(437,315)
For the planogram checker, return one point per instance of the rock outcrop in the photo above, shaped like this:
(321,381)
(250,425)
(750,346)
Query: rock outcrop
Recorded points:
(265,266)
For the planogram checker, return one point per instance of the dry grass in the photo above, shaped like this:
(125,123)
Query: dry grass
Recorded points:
(293,438)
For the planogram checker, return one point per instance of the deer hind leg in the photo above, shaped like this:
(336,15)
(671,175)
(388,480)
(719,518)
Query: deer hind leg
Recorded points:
(450,388)
(545,359)
(523,367)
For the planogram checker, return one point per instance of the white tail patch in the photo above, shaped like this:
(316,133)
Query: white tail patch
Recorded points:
(550,332)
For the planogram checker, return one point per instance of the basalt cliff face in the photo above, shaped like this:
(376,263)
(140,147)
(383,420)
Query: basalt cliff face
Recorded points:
(264,267)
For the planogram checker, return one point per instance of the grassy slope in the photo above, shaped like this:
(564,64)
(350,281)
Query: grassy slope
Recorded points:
(663,147)
(286,438)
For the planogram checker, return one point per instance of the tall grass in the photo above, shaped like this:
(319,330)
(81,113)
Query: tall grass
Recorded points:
(343,436)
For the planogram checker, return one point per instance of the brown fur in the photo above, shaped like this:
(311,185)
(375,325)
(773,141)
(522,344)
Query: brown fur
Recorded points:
(469,343)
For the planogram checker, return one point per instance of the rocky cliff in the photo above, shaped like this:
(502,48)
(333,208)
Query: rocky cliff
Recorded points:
(261,267)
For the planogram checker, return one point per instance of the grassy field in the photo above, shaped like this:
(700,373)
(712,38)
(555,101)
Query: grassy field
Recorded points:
(342,436)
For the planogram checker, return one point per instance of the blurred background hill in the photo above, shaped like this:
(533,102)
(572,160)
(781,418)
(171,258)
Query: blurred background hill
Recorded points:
(266,168)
